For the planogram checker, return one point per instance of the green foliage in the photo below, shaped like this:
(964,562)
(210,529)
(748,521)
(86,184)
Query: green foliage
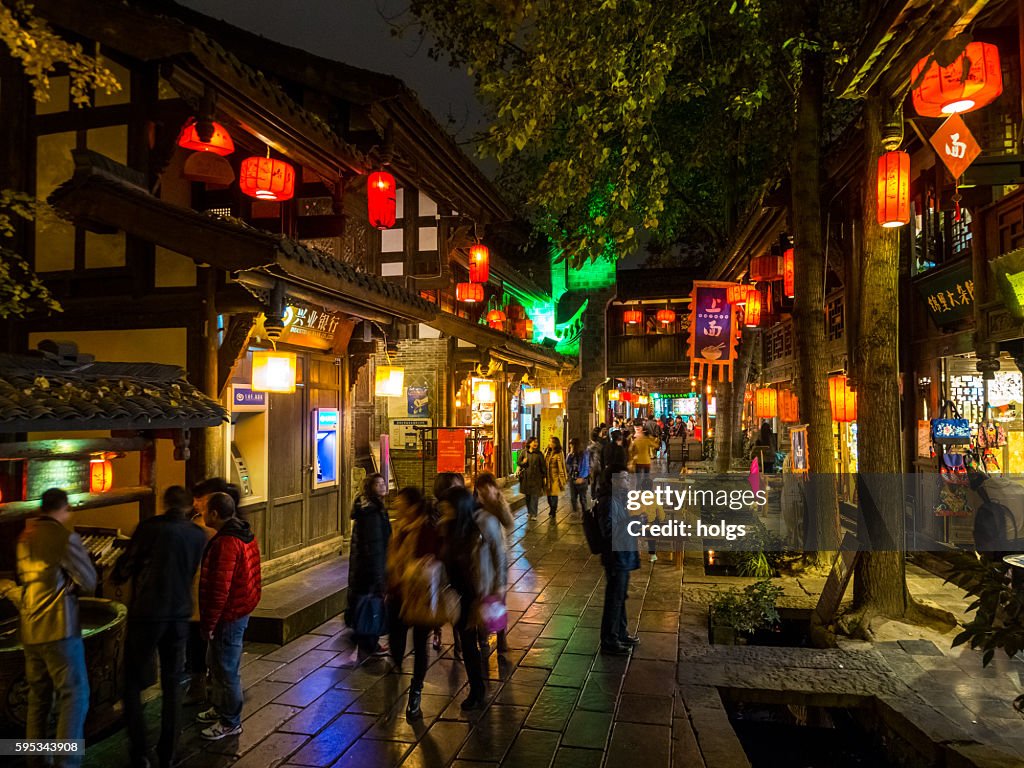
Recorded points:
(748,610)
(998,606)
(21,290)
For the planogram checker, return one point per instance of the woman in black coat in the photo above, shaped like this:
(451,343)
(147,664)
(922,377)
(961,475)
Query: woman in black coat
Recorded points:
(367,570)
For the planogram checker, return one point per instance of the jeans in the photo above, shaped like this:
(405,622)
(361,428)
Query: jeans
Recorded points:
(57,667)
(225,658)
(613,617)
(168,640)
(532,502)
(552,505)
(578,495)
(471,656)
(397,637)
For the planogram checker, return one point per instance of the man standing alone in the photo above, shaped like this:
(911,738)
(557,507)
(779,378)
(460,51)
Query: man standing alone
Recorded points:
(54,569)
(161,561)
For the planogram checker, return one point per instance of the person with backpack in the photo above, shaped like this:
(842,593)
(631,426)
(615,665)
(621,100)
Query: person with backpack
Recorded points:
(533,474)
(598,438)
(557,477)
(577,465)
(612,516)
(474,555)
(367,571)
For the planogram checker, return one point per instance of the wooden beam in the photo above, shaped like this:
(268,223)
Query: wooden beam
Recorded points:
(53,449)
(79,501)
(236,339)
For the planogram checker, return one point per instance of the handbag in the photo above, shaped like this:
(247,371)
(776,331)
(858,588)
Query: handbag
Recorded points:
(493,614)
(428,600)
(369,617)
(953,430)
(953,470)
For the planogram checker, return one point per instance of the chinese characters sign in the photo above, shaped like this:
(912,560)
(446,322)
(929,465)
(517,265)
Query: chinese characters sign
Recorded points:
(949,295)
(956,145)
(712,331)
(451,450)
(309,327)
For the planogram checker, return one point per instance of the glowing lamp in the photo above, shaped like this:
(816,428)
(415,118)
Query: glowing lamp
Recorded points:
(389,381)
(737,294)
(643,400)
(789,407)
(531,396)
(267,178)
(555,397)
(972,81)
(273,371)
(752,309)
(632,316)
(614,395)
(496,319)
(842,399)
(765,268)
(766,403)
(483,392)
(101,475)
(789,273)
(523,329)
(894,189)
(666,316)
(220,142)
(380,200)
(479,264)
(470,293)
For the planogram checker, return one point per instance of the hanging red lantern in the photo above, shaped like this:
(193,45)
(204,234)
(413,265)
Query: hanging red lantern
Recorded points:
(479,264)
(101,475)
(632,317)
(789,273)
(496,319)
(765,268)
(666,316)
(789,407)
(766,403)
(737,294)
(894,189)
(842,399)
(752,309)
(220,142)
(470,293)
(523,329)
(267,178)
(972,81)
(380,199)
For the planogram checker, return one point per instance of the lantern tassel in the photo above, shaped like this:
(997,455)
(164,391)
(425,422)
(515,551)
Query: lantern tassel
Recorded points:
(957,213)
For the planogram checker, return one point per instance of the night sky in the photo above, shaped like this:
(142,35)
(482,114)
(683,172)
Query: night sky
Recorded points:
(356,32)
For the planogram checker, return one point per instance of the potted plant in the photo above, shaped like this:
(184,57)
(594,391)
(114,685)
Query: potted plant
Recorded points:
(736,614)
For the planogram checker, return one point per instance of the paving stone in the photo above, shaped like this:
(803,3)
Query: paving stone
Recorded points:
(532,749)
(572,757)
(920,647)
(530,676)
(600,692)
(539,613)
(587,729)
(319,713)
(543,653)
(657,645)
(258,670)
(438,746)
(552,708)
(645,676)
(328,746)
(395,726)
(685,751)
(659,621)
(294,649)
(637,708)
(552,594)
(493,733)
(271,751)
(262,693)
(378,754)
(584,640)
(518,694)
(312,686)
(256,727)
(330,627)
(646,745)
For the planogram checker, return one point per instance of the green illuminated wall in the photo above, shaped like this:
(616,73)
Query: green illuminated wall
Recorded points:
(592,276)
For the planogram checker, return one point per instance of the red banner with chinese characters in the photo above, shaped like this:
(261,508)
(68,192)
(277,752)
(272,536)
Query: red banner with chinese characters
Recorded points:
(451,450)
(713,331)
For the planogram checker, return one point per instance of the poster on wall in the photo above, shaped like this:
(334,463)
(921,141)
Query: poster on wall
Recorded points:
(405,434)
(451,450)
(712,331)
(418,398)
(798,444)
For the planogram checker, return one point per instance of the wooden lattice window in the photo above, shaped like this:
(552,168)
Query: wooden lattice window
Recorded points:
(835,319)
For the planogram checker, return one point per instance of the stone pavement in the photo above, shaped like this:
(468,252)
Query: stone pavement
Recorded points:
(554,700)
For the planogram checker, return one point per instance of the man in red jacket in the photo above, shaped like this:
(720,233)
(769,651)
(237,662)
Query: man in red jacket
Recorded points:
(229,590)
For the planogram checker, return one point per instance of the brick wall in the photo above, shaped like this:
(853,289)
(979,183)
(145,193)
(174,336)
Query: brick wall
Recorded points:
(581,414)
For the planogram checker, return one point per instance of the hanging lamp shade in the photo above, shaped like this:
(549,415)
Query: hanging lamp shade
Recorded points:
(220,142)
(789,407)
(766,403)
(267,178)
(388,381)
(380,199)
(531,396)
(666,316)
(842,399)
(555,397)
(752,308)
(632,316)
(483,391)
(894,189)
(479,264)
(765,268)
(970,82)
(614,395)
(470,293)
(737,294)
(101,475)
(273,371)
(789,273)
(496,319)
(523,329)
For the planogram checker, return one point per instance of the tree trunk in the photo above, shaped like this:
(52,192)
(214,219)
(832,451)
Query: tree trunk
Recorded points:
(880,585)
(822,516)
(724,395)
(729,399)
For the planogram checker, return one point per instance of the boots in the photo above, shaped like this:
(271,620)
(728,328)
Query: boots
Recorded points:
(412,711)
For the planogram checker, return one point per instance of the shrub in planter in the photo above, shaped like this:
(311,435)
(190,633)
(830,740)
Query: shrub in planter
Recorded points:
(738,613)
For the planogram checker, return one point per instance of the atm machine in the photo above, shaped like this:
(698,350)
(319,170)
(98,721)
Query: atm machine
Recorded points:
(325,449)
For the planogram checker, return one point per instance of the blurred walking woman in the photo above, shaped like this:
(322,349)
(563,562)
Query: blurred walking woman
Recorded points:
(371,531)
(474,556)
(533,472)
(557,478)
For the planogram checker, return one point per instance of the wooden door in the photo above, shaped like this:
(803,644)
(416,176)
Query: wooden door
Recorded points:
(287,483)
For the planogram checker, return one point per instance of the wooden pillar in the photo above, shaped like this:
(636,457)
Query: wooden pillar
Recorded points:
(147,478)
(213,437)
(451,384)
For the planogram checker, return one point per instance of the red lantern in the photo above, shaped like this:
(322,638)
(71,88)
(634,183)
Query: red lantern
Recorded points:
(894,189)
(267,178)
(737,294)
(766,403)
(479,264)
(789,273)
(666,316)
(632,317)
(947,90)
(842,398)
(765,268)
(380,199)
(789,407)
(220,142)
(752,310)
(523,329)
(471,293)
(101,475)
(496,319)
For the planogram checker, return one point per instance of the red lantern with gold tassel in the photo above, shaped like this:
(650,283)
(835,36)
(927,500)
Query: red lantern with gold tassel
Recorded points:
(380,200)
(752,308)
(632,317)
(101,475)
(766,403)
(789,273)
(842,399)
(496,319)
(470,293)
(765,268)
(894,189)
(267,178)
(973,80)
(479,264)
(666,316)
(737,294)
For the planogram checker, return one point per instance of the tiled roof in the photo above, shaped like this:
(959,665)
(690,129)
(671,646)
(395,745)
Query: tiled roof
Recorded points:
(39,394)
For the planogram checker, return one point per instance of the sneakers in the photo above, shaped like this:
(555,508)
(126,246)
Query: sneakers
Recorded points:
(208,716)
(654,558)
(437,640)
(381,650)
(220,730)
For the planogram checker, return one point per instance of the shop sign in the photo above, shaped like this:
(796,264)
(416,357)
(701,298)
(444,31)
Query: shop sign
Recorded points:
(956,146)
(949,294)
(712,331)
(451,450)
(244,399)
(309,327)
(405,433)
(798,449)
